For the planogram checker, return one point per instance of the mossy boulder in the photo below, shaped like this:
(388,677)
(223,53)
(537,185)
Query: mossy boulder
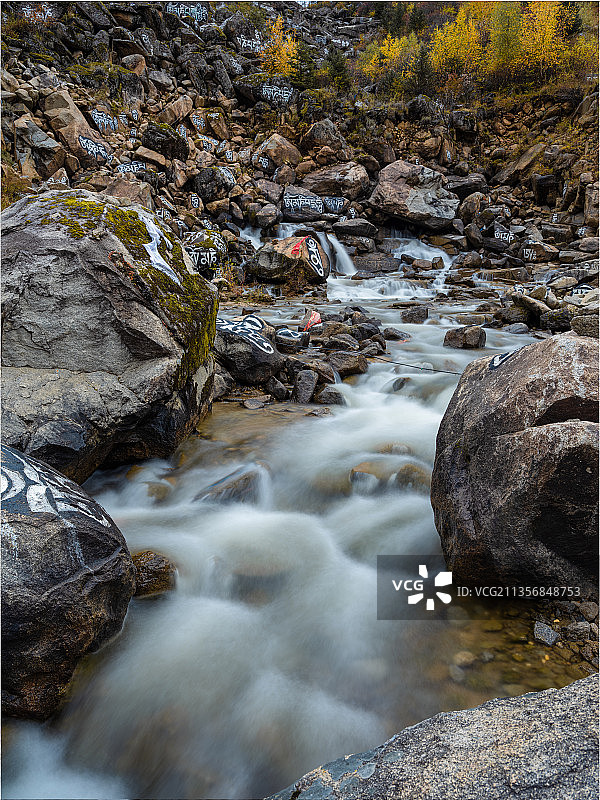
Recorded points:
(107,332)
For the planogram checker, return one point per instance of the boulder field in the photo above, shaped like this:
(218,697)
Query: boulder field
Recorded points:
(133,186)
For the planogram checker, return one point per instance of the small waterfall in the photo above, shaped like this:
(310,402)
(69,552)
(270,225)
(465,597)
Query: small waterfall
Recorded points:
(252,235)
(339,258)
(343,262)
(440,280)
(285,229)
(418,249)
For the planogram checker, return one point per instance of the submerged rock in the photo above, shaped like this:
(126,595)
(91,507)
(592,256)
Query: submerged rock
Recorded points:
(545,741)
(471,337)
(241,486)
(514,487)
(67,578)
(154,573)
(107,333)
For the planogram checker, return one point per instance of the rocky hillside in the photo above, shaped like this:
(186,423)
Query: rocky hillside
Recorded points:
(166,105)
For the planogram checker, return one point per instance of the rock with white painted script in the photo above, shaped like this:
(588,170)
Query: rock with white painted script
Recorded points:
(67,578)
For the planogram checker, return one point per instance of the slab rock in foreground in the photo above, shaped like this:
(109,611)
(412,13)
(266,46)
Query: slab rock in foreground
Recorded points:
(515,481)
(106,333)
(67,578)
(541,746)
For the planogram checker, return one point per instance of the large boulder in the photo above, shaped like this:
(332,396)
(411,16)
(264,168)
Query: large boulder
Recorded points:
(590,210)
(106,333)
(300,205)
(468,185)
(515,480)
(164,140)
(323,133)
(48,154)
(511,172)
(414,193)
(294,258)
(242,347)
(69,124)
(355,227)
(470,337)
(176,110)
(541,746)
(242,34)
(348,180)
(67,578)
(213,183)
(275,151)
(276,90)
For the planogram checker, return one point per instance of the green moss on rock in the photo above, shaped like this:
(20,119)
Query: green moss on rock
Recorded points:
(190,309)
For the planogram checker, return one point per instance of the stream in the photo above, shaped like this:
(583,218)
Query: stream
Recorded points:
(267,660)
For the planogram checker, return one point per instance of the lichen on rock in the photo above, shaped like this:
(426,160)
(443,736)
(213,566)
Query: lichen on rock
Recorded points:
(112,295)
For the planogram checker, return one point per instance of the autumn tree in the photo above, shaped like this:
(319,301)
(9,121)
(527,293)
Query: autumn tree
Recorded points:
(278,54)
(504,46)
(542,39)
(456,47)
(390,57)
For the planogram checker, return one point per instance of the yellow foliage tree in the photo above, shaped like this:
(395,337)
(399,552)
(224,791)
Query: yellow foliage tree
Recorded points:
(504,47)
(392,55)
(542,45)
(279,52)
(457,46)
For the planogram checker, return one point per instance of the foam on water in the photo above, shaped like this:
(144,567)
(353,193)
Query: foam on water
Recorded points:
(374,289)
(36,768)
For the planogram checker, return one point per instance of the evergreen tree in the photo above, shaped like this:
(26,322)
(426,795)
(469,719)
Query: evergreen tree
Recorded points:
(422,77)
(337,68)
(393,17)
(417,20)
(304,68)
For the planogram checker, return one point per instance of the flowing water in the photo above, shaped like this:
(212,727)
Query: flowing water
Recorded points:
(268,660)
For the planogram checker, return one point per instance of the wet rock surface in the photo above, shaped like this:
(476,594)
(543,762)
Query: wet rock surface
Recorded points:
(469,753)
(106,343)
(240,169)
